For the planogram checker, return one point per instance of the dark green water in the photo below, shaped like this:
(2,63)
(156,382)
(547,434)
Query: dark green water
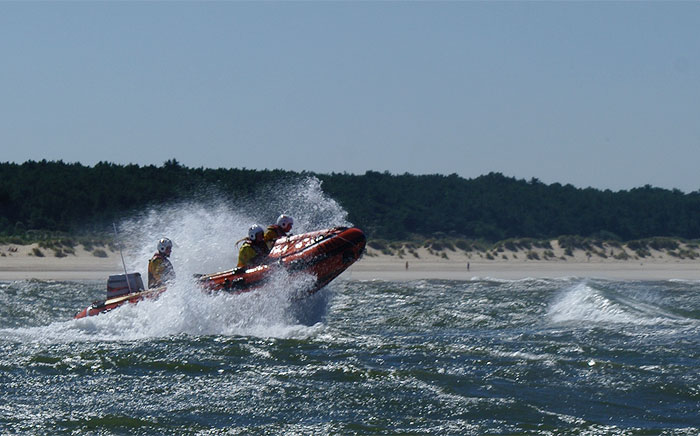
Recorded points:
(545,357)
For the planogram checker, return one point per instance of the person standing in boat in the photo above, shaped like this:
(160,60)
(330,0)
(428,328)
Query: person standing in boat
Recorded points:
(254,250)
(160,270)
(276,231)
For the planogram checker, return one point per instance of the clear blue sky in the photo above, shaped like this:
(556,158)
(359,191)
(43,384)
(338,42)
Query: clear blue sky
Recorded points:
(601,94)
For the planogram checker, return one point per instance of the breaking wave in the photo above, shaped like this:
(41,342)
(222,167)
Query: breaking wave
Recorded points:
(585,302)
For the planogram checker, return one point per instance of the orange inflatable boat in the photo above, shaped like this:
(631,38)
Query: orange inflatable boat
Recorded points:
(323,254)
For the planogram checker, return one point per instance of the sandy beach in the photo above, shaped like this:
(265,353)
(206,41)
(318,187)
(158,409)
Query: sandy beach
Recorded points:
(18,262)
(395,269)
(459,265)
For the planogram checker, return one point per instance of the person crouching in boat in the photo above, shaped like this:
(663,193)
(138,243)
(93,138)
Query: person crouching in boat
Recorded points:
(160,270)
(254,251)
(276,231)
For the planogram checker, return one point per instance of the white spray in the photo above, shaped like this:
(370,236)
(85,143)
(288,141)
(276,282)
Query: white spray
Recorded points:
(204,233)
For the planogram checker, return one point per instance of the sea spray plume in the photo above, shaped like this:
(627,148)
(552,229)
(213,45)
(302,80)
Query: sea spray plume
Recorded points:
(303,199)
(202,231)
(205,231)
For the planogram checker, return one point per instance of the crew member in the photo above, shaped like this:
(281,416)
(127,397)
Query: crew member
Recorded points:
(276,231)
(254,251)
(160,270)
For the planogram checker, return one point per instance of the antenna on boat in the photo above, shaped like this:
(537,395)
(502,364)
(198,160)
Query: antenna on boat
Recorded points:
(126,275)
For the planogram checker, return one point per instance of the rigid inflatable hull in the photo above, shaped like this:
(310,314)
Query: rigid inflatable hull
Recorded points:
(99,307)
(325,254)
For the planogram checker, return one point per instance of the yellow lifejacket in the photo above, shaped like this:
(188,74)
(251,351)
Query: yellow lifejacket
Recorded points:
(273,233)
(252,254)
(160,270)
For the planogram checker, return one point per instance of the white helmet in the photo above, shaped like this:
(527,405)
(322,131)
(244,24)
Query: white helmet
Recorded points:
(285,220)
(254,230)
(163,245)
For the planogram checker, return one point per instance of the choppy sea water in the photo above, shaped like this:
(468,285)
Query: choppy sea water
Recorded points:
(478,357)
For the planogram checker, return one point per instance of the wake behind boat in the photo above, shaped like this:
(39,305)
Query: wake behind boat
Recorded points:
(324,254)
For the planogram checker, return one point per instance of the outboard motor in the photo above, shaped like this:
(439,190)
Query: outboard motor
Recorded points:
(117,285)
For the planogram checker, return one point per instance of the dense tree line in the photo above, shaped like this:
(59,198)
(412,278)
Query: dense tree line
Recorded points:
(494,207)
(71,197)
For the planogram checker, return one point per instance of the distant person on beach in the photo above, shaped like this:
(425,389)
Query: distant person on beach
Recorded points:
(280,229)
(160,270)
(254,250)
